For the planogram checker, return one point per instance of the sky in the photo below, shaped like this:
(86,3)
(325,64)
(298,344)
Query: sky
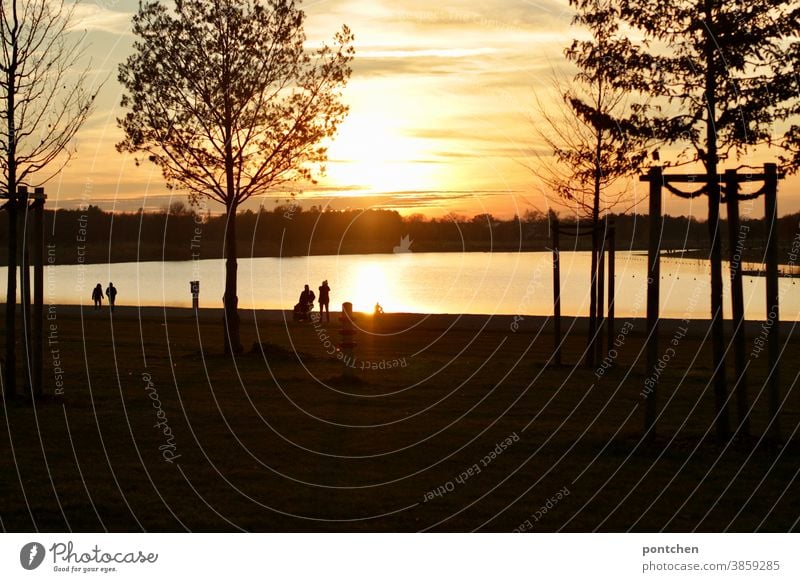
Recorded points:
(442,111)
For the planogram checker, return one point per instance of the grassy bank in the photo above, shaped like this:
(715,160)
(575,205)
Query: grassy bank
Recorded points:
(445,424)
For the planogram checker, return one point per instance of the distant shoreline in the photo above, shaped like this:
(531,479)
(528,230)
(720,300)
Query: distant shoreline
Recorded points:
(94,236)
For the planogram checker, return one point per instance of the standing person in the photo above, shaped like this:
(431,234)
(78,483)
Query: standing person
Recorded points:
(97,296)
(111,293)
(324,300)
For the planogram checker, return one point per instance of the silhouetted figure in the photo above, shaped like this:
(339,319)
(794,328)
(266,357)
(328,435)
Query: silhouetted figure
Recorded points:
(324,300)
(378,309)
(305,305)
(111,293)
(97,296)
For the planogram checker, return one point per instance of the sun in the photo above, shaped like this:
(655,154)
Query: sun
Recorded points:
(371,286)
(371,153)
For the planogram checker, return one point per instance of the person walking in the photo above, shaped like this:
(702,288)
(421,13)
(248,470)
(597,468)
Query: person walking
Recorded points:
(324,300)
(111,293)
(97,296)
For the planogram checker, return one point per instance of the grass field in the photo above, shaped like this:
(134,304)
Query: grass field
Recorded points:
(453,424)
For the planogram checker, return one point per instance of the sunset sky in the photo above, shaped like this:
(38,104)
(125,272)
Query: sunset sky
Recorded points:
(442,109)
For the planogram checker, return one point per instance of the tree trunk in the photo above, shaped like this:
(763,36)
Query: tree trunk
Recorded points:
(717,330)
(598,171)
(11,164)
(651,389)
(233,343)
(773,300)
(736,249)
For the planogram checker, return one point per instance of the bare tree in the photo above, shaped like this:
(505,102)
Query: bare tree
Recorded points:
(44,103)
(226,100)
(595,135)
(580,172)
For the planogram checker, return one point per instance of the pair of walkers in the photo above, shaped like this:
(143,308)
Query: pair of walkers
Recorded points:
(305,305)
(97,295)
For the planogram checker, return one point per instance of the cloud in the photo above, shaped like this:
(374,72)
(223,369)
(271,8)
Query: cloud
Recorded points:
(490,15)
(526,151)
(461,62)
(97,18)
(365,66)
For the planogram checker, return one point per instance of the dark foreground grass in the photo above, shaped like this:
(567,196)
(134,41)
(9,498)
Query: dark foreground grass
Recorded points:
(456,428)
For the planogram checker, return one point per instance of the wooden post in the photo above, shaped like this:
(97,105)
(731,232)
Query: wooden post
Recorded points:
(554,226)
(612,249)
(656,180)
(10,364)
(25,283)
(736,248)
(773,310)
(347,343)
(37,336)
(601,295)
(717,324)
(590,343)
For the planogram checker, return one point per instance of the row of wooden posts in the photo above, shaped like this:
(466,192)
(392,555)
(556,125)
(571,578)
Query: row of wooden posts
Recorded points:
(728,183)
(32,253)
(607,241)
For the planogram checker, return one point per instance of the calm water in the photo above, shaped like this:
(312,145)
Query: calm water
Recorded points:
(494,283)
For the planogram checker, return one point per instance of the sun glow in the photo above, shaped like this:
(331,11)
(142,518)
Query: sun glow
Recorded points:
(371,286)
(371,153)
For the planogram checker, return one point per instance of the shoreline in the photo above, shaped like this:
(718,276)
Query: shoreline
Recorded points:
(513,324)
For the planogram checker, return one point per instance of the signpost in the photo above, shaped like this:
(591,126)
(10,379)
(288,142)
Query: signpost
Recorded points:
(194,288)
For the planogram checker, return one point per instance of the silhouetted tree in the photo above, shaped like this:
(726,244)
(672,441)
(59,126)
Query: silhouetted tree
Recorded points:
(44,103)
(227,101)
(596,137)
(723,74)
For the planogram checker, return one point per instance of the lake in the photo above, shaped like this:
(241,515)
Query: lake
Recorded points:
(493,283)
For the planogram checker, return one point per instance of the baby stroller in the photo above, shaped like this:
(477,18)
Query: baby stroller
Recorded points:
(302,311)
(305,305)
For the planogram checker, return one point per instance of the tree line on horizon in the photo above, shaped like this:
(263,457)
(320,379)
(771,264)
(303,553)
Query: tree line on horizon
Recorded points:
(180,233)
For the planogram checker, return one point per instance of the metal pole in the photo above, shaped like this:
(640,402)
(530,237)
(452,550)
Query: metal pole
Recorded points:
(556,293)
(773,306)
(736,247)
(656,180)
